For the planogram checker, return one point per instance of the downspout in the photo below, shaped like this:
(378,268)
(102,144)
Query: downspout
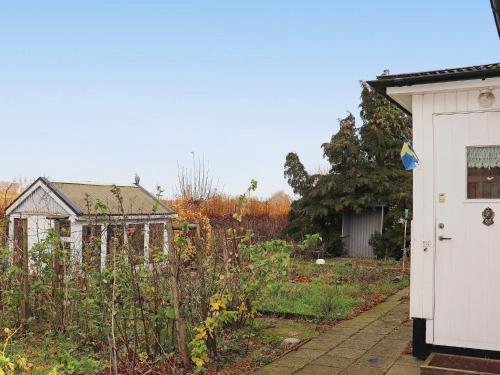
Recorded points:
(495,7)
(382,220)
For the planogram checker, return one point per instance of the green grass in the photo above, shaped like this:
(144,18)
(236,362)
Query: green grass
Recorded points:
(332,291)
(309,300)
(46,352)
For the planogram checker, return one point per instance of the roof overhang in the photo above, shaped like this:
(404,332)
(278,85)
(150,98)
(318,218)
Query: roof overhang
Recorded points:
(399,88)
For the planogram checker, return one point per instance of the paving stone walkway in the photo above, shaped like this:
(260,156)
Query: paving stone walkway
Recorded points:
(371,343)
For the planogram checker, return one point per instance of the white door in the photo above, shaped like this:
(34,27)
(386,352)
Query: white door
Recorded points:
(467,252)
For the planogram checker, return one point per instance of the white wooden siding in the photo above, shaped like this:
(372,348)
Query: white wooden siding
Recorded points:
(454,97)
(40,201)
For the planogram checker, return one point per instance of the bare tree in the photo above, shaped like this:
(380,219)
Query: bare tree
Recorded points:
(196,184)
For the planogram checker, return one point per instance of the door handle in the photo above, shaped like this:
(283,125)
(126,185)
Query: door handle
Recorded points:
(441,238)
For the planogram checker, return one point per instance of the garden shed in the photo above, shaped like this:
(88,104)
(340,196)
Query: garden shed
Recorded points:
(455,254)
(358,228)
(80,212)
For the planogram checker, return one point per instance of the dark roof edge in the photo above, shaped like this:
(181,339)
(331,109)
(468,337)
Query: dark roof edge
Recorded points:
(401,80)
(168,209)
(495,7)
(383,92)
(381,84)
(61,196)
(20,195)
(47,183)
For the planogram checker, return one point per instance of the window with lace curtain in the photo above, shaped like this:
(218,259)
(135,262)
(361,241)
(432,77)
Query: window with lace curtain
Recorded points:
(483,172)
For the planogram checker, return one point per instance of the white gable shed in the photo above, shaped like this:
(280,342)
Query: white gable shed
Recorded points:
(70,209)
(455,247)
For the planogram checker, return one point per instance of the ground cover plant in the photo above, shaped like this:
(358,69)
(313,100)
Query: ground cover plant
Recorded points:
(336,290)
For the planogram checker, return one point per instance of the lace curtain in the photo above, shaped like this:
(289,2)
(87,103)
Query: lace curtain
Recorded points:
(483,157)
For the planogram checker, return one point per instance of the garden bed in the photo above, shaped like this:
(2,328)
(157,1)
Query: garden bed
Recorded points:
(314,299)
(333,291)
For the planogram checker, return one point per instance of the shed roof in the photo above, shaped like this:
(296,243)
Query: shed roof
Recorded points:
(83,197)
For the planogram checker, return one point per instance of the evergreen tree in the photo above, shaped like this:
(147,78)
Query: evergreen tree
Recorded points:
(296,174)
(365,171)
(344,150)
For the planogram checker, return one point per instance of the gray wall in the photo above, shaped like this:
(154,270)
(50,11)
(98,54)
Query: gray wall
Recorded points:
(357,229)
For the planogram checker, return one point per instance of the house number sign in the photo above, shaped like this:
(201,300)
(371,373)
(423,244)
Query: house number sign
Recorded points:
(488,216)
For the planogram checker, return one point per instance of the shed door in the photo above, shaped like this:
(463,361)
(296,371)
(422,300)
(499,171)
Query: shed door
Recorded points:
(20,257)
(467,252)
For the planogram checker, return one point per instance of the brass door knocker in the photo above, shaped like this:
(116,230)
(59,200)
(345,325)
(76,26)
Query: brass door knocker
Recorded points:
(488,216)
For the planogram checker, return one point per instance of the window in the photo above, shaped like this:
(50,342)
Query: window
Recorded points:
(156,239)
(483,172)
(136,238)
(115,237)
(91,246)
(63,227)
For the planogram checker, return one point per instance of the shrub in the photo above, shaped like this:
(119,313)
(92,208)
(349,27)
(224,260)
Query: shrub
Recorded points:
(388,244)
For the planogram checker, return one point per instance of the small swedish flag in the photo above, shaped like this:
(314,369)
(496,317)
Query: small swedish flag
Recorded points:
(408,156)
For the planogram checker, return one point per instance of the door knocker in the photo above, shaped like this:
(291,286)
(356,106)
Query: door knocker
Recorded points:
(488,216)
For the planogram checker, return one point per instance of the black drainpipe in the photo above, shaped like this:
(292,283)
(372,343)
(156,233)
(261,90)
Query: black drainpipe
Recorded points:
(495,7)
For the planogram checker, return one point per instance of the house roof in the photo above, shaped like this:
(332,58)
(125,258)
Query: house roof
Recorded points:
(433,76)
(82,198)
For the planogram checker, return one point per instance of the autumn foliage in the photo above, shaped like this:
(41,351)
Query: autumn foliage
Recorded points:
(266,218)
(8,192)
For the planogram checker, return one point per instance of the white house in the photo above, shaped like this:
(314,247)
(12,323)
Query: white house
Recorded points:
(70,208)
(455,247)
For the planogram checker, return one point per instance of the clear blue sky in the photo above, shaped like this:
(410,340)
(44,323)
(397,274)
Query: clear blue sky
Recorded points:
(100,90)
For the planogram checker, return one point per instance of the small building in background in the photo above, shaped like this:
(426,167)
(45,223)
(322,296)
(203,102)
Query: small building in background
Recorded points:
(358,228)
(82,212)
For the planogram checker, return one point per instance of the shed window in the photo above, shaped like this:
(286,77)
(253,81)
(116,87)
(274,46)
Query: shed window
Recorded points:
(136,238)
(91,246)
(483,172)
(114,237)
(156,240)
(63,228)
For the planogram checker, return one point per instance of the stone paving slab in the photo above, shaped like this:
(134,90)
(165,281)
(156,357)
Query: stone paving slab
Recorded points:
(371,343)
(318,370)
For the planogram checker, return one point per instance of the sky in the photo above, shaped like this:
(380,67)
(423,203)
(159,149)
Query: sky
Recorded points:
(100,90)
